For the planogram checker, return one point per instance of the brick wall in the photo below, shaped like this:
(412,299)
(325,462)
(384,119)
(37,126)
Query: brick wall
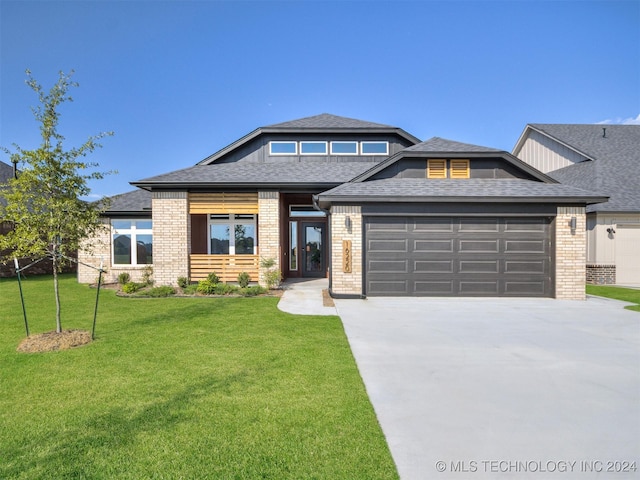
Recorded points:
(269,229)
(601,274)
(346,283)
(171,227)
(570,254)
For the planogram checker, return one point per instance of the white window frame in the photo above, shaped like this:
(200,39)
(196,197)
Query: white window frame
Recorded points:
(357,152)
(231,221)
(362,152)
(302,142)
(274,142)
(133,231)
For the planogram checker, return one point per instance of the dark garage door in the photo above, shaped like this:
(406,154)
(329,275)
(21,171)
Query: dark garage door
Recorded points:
(466,256)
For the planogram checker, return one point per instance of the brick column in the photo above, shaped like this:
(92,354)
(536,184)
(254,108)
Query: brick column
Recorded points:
(171,225)
(268,229)
(571,254)
(346,283)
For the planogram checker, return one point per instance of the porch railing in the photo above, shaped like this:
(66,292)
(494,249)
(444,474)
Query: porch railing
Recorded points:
(227,267)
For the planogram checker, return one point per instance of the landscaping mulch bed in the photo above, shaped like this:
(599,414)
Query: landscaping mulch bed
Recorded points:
(52,341)
(327,301)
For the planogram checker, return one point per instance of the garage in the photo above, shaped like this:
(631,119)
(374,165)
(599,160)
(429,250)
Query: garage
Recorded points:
(458,256)
(627,238)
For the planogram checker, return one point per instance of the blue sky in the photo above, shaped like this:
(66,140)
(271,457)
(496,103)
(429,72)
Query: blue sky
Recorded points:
(177,81)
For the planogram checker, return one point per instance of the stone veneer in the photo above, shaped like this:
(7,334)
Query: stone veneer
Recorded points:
(570,254)
(171,234)
(346,283)
(268,230)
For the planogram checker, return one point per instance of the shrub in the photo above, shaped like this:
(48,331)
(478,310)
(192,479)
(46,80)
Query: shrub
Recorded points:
(252,291)
(273,278)
(162,291)
(123,278)
(225,289)
(244,279)
(213,278)
(183,282)
(191,289)
(205,287)
(147,273)
(131,287)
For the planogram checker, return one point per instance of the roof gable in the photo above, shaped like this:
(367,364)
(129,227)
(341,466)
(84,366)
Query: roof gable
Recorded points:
(323,123)
(614,166)
(440,147)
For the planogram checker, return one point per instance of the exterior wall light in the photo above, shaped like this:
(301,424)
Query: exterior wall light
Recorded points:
(573,225)
(347,223)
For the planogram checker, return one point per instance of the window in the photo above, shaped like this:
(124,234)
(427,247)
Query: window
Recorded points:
(132,242)
(313,148)
(283,148)
(344,148)
(293,241)
(241,242)
(374,148)
(304,211)
(437,168)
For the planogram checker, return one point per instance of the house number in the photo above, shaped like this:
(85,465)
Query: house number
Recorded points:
(346,256)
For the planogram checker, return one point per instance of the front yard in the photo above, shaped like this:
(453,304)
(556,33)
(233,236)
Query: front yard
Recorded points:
(224,388)
(630,295)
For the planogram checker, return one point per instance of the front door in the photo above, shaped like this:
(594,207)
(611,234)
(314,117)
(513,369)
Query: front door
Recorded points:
(313,250)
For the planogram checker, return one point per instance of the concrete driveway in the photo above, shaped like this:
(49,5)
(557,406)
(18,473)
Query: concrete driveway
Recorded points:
(502,388)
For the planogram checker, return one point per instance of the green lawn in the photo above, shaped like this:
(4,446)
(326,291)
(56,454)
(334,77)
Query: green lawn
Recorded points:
(618,293)
(224,388)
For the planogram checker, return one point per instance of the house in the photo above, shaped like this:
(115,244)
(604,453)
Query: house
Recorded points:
(367,205)
(605,158)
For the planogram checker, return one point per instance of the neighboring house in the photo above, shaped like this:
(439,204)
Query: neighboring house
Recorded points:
(602,158)
(6,172)
(365,204)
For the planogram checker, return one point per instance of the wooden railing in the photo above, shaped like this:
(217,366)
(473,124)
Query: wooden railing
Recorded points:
(227,267)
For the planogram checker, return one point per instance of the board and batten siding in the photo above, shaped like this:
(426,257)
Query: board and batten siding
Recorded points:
(546,154)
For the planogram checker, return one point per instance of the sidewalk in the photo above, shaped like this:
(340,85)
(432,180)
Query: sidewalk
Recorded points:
(304,297)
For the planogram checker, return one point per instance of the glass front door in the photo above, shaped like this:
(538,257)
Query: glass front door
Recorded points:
(313,255)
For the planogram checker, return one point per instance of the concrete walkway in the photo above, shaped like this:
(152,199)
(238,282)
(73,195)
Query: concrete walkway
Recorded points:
(304,297)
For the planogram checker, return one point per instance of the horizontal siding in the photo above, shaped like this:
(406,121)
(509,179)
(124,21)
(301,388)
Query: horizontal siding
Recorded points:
(226,267)
(223,203)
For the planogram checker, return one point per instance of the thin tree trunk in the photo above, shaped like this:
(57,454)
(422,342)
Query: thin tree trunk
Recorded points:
(56,291)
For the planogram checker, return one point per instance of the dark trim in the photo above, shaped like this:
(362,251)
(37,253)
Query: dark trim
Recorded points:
(460,209)
(346,296)
(129,214)
(225,186)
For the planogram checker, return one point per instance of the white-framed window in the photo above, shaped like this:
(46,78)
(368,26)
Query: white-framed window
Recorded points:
(344,148)
(233,234)
(283,148)
(374,148)
(132,242)
(313,148)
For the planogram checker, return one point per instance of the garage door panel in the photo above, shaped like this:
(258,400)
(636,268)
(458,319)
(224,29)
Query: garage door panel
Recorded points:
(388,266)
(433,266)
(525,266)
(388,245)
(473,246)
(427,246)
(444,288)
(446,256)
(478,225)
(473,266)
(468,287)
(388,287)
(422,224)
(525,246)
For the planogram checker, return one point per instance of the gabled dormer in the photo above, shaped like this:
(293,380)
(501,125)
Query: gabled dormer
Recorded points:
(439,158)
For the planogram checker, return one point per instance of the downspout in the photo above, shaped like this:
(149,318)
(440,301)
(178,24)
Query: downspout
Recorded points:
(314,199)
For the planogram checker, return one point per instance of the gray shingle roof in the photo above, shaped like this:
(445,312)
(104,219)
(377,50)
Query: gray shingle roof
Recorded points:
(131,202)
(328,121)
(6,172)
(615,165)
(484,190)
(441,145)
(230,174)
